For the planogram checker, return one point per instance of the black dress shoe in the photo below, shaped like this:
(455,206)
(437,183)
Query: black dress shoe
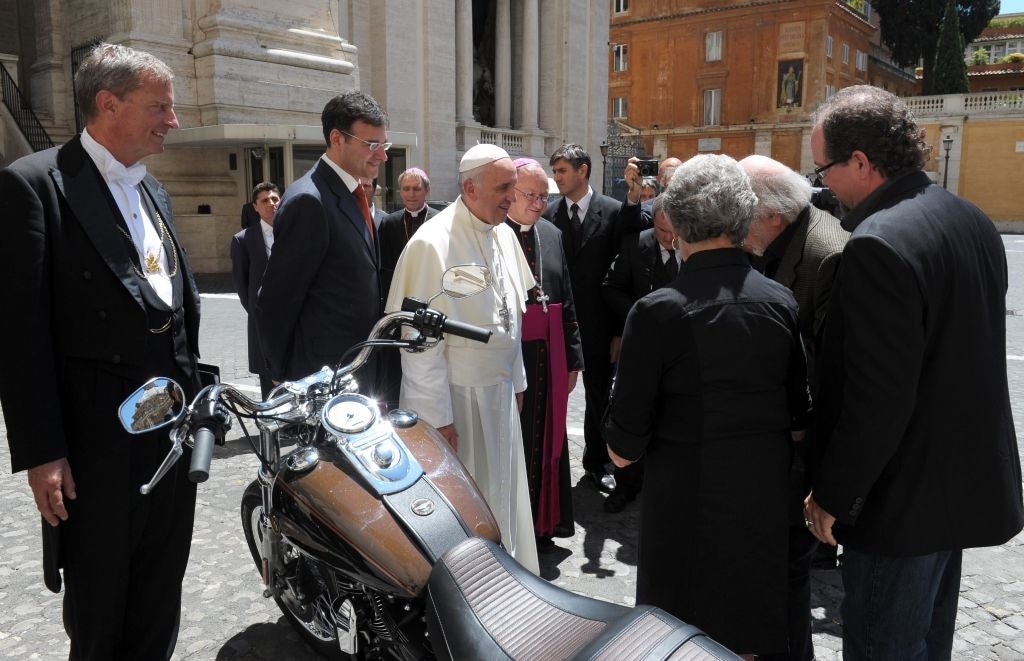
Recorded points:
(602,481)
(618,500)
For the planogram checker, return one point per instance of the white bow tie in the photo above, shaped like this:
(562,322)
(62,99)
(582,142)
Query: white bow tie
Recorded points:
(117,173)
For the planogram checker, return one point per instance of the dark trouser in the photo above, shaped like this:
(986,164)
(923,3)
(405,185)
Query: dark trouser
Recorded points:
(899,608)
(630,479)
(266,385)
(798,596)
(596,380)
(124,554)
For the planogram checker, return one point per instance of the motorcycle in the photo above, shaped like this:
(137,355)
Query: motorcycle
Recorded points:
(371,536)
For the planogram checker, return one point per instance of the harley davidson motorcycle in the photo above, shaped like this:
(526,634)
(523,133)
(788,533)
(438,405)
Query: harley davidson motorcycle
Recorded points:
(371,536)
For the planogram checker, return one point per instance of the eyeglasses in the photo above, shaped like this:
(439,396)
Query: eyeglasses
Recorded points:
(820,172)
(374,146)
(533,197)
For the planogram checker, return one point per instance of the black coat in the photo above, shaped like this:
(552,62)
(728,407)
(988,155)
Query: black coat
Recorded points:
(71,283)
(589,258)
(82,342)
(921,454)
(711,380)
(321,290)
(392,237)
(248,261)
(636,272)
(557,285)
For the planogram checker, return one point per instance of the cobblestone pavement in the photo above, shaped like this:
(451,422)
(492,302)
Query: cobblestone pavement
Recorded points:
(224,615)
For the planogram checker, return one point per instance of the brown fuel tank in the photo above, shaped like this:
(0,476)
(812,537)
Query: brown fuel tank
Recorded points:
(329,513)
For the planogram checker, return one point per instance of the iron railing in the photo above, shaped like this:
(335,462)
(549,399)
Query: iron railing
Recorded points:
(22,113)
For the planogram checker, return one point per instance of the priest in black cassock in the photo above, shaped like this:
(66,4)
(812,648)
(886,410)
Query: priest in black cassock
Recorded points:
(552,354)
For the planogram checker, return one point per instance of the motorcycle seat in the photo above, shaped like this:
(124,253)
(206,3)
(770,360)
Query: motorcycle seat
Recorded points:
(481,604)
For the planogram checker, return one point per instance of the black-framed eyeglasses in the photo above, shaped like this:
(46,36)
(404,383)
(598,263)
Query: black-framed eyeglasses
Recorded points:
(374,146)
(820,172)
(533,197)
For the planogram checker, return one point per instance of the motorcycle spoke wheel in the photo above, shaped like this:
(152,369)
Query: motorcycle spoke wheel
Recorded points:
(311,618)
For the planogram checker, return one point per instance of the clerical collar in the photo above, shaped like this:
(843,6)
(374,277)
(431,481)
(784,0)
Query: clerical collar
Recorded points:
(416,214)
(350,181)
(523,228)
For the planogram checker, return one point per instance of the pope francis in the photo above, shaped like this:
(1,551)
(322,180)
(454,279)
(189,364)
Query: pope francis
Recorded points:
(470,390)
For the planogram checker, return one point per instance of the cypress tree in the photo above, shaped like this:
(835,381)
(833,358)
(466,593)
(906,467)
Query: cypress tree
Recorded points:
(950,75)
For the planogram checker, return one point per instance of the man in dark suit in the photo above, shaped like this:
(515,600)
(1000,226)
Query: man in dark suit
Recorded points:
(798,246)
(920,457)
(592,230)
(321,289)
(250,249)
(646,261)
(105,300)
(397,227)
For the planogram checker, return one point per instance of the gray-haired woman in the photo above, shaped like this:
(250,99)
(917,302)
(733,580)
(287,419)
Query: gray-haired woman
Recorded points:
(711,386)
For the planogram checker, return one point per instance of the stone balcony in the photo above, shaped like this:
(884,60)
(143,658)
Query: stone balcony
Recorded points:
(981,103)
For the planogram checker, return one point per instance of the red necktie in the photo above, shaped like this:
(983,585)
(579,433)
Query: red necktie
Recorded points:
(364,206)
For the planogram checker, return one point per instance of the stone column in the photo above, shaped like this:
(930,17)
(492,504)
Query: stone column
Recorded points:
(503,65)
(464,61)
(530,64)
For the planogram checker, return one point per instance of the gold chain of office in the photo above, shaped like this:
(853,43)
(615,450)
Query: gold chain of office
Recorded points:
(152,261)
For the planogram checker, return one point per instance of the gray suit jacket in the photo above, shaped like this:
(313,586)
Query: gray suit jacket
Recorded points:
(808,268)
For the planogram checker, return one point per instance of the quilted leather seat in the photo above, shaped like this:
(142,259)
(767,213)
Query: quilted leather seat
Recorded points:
(482,605)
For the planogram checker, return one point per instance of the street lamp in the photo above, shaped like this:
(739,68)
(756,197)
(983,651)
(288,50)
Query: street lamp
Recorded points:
(947,145)
(604,163)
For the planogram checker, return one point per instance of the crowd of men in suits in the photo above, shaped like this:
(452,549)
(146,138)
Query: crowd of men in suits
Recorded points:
(904,324)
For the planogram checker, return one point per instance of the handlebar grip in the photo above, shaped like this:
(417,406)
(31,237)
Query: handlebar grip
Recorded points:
(202,454)
(468,331)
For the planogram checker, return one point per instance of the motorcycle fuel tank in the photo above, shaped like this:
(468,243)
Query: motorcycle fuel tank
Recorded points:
(334,513)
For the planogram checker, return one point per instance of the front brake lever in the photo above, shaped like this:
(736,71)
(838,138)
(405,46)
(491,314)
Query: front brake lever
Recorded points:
(172,457)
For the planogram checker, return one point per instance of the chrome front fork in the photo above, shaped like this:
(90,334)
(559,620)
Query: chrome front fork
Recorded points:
(270,448)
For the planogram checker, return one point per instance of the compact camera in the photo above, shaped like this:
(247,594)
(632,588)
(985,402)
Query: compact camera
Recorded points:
(648,168)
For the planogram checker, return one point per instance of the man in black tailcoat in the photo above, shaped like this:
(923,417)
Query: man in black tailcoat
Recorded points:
(94,269)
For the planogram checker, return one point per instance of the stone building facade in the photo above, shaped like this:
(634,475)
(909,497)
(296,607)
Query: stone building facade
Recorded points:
(692,76)
(252,77)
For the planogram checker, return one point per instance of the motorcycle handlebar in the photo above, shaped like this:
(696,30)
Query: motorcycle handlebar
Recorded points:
(468,331)
(202,454)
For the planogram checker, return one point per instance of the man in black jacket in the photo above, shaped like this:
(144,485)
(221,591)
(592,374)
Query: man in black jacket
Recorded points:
(250,250)
(105,300)
(920,456)
(592,230)
(646,261)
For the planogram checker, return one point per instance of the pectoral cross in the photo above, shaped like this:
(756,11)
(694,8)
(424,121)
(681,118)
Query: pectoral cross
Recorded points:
(543,299)
(506,316)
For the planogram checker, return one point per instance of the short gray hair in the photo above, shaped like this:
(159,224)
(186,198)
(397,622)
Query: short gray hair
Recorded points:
(786,193)
(658,205)
(117,69)
(708,196)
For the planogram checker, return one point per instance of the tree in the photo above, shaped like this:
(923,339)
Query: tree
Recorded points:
(910,28)
(950,75)
(980,57)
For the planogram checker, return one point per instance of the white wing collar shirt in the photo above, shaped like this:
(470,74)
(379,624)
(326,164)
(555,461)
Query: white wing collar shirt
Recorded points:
(145,236)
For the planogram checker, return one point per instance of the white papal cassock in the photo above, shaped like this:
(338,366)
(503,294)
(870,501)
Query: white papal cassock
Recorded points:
(470,384)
